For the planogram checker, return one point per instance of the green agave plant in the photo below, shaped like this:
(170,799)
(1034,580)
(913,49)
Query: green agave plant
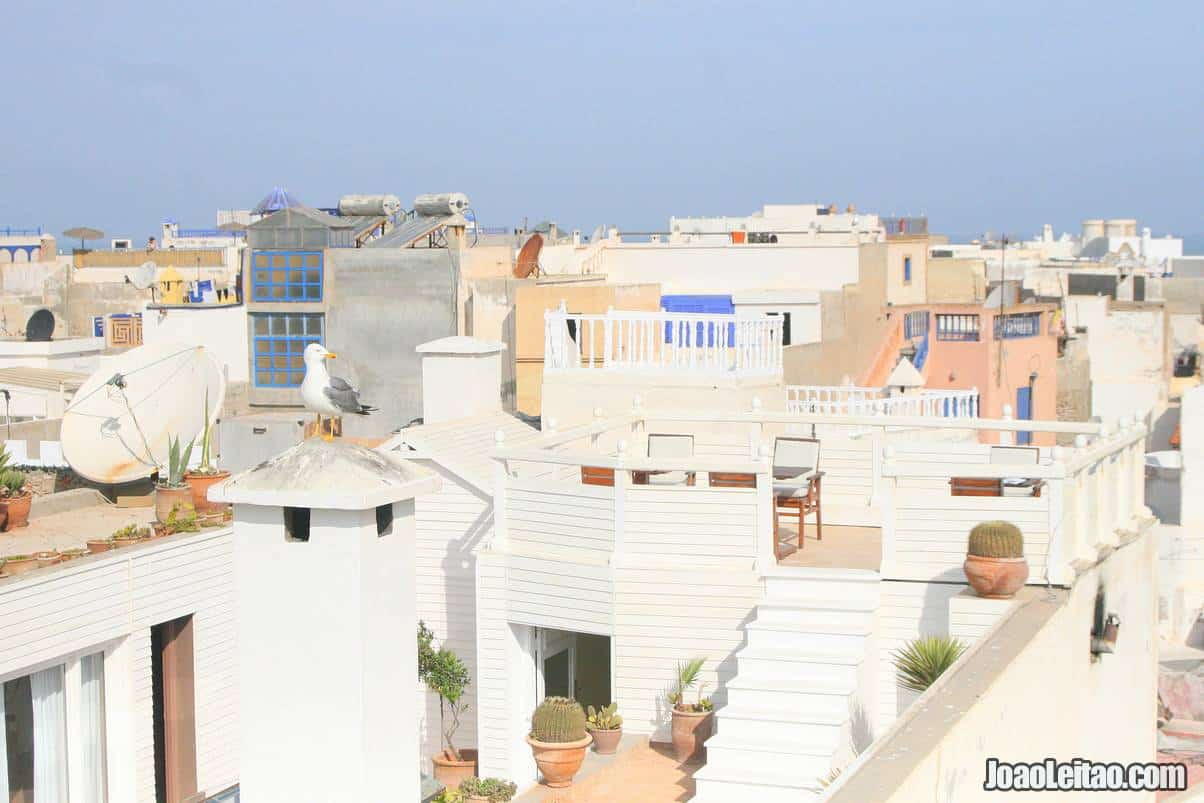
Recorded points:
(923,660)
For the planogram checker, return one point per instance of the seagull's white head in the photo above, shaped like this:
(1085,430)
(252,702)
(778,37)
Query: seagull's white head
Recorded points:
(316,354)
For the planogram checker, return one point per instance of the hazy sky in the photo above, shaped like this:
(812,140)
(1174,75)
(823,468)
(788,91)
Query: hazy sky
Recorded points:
(983,115)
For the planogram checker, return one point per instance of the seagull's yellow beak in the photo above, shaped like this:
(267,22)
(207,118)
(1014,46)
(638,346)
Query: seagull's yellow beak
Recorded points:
(330,355)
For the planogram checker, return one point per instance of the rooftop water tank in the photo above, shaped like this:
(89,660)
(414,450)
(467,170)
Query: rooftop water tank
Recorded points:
(372,205)
(1092,229)
(440,203)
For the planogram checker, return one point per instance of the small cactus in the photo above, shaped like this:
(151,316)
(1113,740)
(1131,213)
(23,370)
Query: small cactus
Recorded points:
(605,719)
(558,719)
(996,539)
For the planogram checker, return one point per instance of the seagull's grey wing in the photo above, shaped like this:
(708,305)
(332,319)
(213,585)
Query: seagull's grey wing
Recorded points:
(342,395)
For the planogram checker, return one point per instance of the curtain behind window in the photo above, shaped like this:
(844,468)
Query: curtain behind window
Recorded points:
(92,726)
(49,736)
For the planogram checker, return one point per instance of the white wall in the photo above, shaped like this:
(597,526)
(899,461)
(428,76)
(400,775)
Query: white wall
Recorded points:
(113,599)
(79,354)
(221,330)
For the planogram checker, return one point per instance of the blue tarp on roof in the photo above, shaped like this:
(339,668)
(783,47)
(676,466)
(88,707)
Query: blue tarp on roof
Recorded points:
(707,305)
(276,200)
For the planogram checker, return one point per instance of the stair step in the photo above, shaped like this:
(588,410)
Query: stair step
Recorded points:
(820,698)
(732,712)
(773,635)
(732,786)
(753,760)
(760,663)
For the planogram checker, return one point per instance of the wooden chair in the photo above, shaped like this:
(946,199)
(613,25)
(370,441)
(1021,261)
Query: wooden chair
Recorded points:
(797,483)
(593,475)
(667,446)
(994,486)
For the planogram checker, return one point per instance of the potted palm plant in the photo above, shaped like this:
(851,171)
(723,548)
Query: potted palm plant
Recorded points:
(488,790)
(15,498)
(171,491)
(693,723)
(995,564)
(923,660)
(606,726)
(558,740)
(446,675)
(206,474)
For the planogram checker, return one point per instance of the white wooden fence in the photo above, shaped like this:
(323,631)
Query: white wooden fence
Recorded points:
(663,342)
(853,400)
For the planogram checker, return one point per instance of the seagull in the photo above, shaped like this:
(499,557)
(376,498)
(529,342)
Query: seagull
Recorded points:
(327,395)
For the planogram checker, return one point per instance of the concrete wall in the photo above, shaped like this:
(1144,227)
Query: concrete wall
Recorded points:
(853,323)
(382,304)
(956,281)
(1130,360)
(899,289)
(1029,690)
(533,299)
(728,268)
(221,330)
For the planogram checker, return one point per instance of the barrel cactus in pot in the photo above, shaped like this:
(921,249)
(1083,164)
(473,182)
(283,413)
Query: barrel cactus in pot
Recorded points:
(558,739)
(995,565)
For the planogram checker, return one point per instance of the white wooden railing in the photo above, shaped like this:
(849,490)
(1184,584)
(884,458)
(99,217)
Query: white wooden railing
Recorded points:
(663,342)
(853,400)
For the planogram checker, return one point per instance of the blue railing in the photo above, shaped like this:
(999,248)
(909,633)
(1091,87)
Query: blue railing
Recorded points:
(209,233)
(9,231)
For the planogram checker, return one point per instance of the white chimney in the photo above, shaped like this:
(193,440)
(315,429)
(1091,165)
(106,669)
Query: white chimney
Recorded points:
(328,664)
(461,378)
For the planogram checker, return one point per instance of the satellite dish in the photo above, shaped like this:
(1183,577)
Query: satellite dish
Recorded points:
(144,277)
(40,327)
(118,425)
(528,257)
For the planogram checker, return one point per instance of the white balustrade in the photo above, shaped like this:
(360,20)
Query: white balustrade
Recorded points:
(853,400)
(663,342)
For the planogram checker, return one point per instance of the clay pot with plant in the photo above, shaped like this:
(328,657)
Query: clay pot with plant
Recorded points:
(177,521)
(446,675)
(15,498)
(693,723)
(129,535)
(558,740)
(995,565)
(98,545)
(206,475)
(171,491)
(606,726)
(487,790)
(19,564)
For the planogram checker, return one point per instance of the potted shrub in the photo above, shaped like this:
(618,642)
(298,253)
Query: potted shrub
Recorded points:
(206,474)
(96,545)
(558,739)
(15,499)
(693,723)
(171,491)
(446,675)
(923,660)
(606,726)
(19,564)
(488,790)
(995,564)
(71,554)
(177,522)
(47,557)
(130,534)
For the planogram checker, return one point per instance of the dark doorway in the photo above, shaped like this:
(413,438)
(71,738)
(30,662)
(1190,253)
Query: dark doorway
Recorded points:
(172,672)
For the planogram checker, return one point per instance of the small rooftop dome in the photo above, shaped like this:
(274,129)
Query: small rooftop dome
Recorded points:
(332,475)
(460,344)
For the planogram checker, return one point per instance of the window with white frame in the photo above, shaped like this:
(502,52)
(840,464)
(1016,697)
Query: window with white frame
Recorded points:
(957,327)
(40,756)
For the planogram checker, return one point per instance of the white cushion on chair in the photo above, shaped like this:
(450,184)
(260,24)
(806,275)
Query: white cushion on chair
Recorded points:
(669,478)
(793,486)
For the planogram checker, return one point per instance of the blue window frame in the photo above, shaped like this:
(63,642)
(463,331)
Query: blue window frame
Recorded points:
(278,340)
(907,269)
(286,276)
(1021,324)
(915,324)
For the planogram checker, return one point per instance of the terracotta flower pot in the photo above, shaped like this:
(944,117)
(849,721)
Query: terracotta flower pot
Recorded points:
(16,510)
(48,558)
(19,564)
(995,578)
(71,554)
(558,762)
(167,499)
(96,545)
(606,743)
(199,485)
(452,773)
(690,732)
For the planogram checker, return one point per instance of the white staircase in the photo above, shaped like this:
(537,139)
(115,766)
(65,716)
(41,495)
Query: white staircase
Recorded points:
(787,709)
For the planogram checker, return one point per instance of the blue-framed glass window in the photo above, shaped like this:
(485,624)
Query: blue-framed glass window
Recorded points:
(286,276)
(907,269)
(278,340)
(915,324)
(1020,324)
(957,327)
